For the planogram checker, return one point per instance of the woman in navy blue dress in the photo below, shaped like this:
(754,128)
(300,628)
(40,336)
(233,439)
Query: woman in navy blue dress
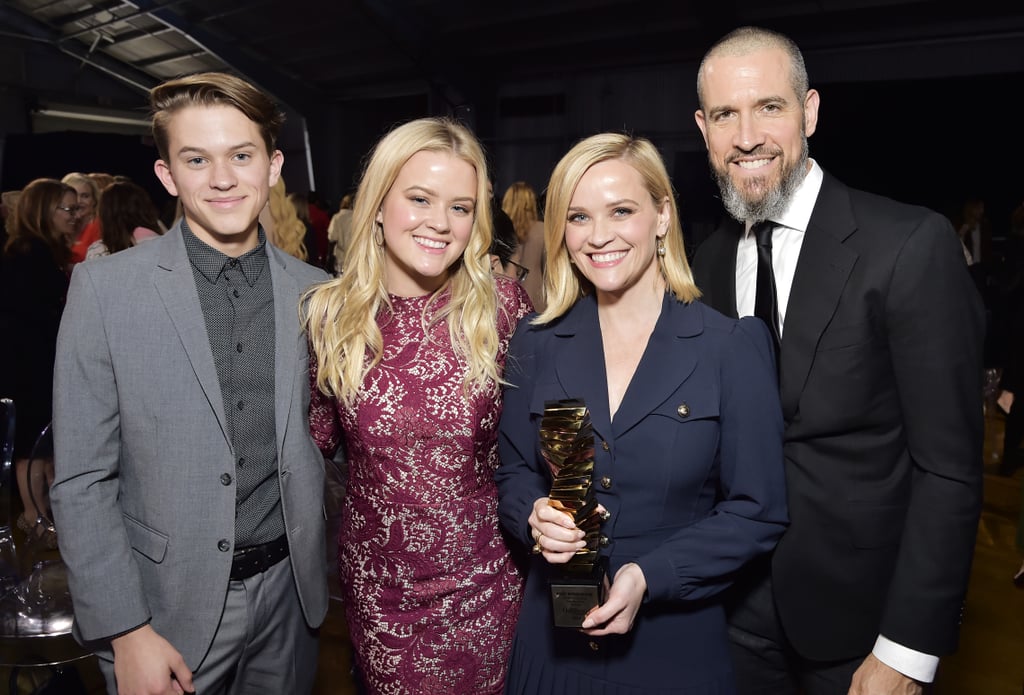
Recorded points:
(688,431)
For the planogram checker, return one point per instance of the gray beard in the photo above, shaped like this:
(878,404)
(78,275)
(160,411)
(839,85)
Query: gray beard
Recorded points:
(772,204)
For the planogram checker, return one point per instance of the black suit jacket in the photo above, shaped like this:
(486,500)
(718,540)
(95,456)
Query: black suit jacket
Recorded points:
(881,385)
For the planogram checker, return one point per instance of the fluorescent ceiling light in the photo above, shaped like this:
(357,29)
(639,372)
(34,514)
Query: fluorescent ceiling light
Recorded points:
(94,117)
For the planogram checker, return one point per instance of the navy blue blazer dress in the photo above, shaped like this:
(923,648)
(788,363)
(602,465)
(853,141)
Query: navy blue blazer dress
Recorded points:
(691,471)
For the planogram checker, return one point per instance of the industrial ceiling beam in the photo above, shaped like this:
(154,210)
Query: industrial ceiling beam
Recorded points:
(298,95)
(31,29)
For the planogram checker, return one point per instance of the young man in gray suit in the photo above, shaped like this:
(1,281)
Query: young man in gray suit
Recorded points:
(879,331)
(188,491)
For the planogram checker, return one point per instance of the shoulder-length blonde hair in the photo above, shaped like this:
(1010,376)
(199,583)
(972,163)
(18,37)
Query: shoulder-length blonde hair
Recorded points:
(285,230)
(520,204)
(77,178)
(563,283)
(341,313)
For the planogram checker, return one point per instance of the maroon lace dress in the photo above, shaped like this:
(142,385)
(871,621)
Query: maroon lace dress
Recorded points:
(431,596)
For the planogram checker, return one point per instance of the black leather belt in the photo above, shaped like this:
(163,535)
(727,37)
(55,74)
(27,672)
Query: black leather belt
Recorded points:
(250,561)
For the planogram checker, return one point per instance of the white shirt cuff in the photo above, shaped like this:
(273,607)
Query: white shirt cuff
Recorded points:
(911,663)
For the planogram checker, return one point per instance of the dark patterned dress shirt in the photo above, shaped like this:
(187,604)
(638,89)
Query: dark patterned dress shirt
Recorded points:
(237,297)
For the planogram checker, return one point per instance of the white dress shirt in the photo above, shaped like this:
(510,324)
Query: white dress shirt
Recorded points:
(787,239)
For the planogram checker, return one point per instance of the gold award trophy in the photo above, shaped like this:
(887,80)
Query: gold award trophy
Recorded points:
(567,445)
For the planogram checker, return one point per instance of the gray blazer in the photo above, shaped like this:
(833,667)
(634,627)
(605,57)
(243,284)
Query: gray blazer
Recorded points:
(145,522)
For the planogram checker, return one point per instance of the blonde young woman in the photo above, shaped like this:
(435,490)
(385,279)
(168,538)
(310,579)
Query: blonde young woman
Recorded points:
(688,426)
(520,204)
(410,345)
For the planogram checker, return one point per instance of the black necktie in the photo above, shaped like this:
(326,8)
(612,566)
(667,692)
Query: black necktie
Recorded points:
(766,301)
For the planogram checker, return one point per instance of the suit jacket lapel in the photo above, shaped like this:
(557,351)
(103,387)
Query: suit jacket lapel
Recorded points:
(581,371)
(579,364)
(287,335)
(719,287)
(821,274)
(665,364)
(176,286)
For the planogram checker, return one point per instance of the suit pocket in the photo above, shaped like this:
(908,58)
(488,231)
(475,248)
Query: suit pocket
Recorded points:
(145,540)
(690,404)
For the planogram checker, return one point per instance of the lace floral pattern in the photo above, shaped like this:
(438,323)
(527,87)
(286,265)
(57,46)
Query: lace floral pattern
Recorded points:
(431,595)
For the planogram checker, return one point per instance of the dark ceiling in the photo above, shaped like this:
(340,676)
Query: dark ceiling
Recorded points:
(344,70)
(312,52)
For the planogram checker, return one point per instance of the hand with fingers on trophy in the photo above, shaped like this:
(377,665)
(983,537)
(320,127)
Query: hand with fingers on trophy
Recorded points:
(567,445)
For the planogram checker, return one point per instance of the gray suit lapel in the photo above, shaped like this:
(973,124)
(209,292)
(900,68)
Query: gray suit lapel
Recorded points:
(821,274)
(286,338)
(177,289)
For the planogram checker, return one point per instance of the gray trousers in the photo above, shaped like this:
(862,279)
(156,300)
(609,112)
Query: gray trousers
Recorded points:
(262,645)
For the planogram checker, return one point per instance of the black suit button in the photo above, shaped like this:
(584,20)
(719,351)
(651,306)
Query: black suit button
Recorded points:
(236,293)
(223,545)
(225,479)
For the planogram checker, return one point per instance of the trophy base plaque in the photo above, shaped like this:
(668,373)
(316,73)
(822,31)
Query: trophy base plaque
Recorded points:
(574,595)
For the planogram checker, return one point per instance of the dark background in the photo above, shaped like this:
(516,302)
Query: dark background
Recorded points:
(919,97)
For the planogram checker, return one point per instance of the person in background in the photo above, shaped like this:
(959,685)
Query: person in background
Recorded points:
(1011,385)
(282,225)
(320,219)
(878,330)
(409,347)
(972,226)
(339,232)
(300,201)
(127,217)
(8,203)
(504,248)
(1011,403)
(33,285)
(687,431)
(89,231)
(975,232)
(102,179)
(520,203)
(88,196)
(188,491)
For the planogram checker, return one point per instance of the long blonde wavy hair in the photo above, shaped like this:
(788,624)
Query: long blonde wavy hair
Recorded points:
(563,283)
(341,313)
(284,228)
(520,204)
